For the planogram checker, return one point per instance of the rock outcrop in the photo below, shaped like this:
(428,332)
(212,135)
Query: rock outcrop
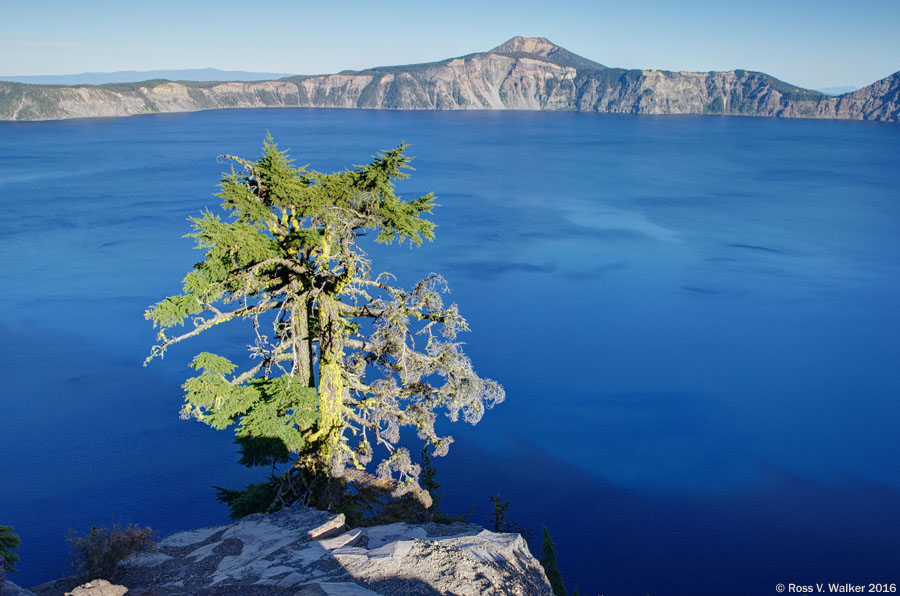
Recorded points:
(521,74)
(8,588)
(304,552)
(98,587)
(11,589)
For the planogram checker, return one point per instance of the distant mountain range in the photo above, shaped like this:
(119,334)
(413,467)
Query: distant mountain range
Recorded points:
(838,90)
(129,76)
(522,74)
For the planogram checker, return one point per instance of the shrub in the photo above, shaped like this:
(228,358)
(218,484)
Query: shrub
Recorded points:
(95,555)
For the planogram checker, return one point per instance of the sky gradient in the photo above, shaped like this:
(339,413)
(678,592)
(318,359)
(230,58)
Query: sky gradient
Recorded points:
(811,44)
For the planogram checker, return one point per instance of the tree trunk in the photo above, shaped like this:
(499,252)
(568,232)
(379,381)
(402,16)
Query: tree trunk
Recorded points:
(303,353)
(331,382)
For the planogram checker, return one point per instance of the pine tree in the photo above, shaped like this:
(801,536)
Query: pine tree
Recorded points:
(343,358)
(8,541)
(428,480)
(501,509)
(548,562)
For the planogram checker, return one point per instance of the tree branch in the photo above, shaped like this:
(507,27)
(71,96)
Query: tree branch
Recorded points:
(222,317)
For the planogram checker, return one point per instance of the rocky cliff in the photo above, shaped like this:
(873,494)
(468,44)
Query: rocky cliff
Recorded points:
(304,552)
(521,74)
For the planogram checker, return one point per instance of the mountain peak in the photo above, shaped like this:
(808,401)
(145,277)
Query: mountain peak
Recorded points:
(545,49)
(539,46)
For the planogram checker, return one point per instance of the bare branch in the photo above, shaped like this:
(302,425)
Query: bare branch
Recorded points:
(248,374)
(222,317)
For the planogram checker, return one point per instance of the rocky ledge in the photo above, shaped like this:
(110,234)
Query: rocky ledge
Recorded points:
(305,552)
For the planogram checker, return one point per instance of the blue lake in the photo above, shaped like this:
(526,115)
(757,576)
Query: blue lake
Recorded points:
(695,319)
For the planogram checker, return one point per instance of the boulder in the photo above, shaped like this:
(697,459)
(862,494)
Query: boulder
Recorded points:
(98,587)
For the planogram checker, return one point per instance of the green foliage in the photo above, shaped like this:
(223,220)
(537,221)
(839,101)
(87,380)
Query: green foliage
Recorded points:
(125,87)
(255,498)
(286,257)
(429,482)
(212,364)
(96,554)
(613,78)
(261,451)
(548,562)
(8,541)
(499,515)
(428,479)
(788,91)
(500,518)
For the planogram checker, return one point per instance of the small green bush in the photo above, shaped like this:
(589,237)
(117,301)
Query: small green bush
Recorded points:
(8,541)
(96,555)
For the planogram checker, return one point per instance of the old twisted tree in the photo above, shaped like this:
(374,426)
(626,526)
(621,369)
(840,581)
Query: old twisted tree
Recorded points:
(341,358)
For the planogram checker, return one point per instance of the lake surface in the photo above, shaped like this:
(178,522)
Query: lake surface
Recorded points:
(695,319)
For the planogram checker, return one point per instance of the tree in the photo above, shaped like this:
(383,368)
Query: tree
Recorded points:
(501,507)
(256,497)
(548,562)
(428,480)
(8,541)
(500,518)
(343,358)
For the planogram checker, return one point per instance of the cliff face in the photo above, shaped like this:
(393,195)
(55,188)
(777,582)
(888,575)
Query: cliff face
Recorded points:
(521,74)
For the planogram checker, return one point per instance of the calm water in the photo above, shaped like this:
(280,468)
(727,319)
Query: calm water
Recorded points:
(695,318)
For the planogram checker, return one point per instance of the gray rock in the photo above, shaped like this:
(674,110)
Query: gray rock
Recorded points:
(334,589)
(304,552)
(98,587)
(11,589)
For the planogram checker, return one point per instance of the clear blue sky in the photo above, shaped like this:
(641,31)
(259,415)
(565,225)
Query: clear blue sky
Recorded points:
(812,44)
